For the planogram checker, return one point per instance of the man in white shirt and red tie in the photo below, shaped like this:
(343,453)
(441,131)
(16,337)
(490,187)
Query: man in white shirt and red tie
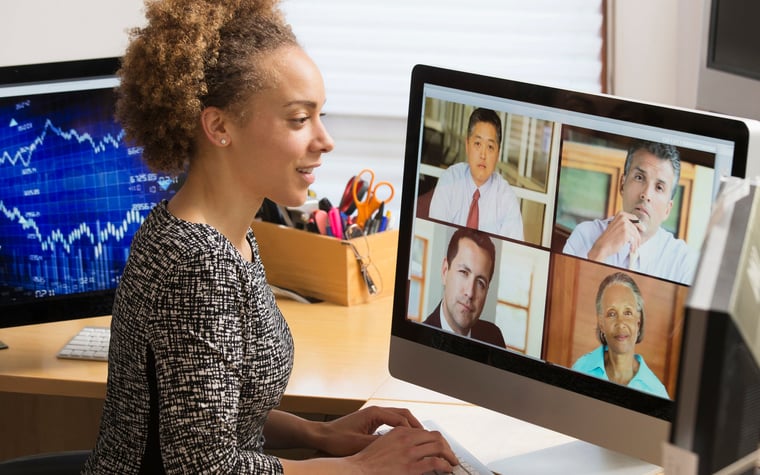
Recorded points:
(474,188)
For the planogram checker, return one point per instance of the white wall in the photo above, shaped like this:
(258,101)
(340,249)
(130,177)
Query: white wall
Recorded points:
(655,44)
(654,59)
(39,31)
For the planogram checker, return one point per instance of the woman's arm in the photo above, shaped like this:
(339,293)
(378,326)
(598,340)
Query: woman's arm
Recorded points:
(343,436)
(284,430)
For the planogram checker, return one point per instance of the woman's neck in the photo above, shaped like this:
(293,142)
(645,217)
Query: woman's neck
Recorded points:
(206,199)
(620,368)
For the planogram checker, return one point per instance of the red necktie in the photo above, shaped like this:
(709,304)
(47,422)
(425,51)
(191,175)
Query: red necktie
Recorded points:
(472,217)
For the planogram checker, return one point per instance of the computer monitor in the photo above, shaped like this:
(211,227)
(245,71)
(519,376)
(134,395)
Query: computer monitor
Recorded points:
(717,416)
(72,191)
(728,76)
(563,154)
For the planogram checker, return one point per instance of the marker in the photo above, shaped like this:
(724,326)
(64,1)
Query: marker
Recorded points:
(320,218)
(336,224)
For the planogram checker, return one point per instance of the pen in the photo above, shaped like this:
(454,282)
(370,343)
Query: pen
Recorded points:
(386,222)
(345,221)
(336,224)
(374,224)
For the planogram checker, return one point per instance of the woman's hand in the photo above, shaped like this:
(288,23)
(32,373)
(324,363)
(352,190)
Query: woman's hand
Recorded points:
(353,432)
(404,450)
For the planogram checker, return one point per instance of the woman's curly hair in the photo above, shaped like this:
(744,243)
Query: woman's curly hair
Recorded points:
(192,54)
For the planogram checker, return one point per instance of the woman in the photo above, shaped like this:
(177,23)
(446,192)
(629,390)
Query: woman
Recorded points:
(200,354)
(620,326)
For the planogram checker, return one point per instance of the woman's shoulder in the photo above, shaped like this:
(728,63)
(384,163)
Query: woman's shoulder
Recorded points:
(164,238)
(648,380)
(591,360)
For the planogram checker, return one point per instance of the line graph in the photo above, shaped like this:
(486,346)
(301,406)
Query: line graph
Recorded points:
(24,153)
(72,194)
(66,241)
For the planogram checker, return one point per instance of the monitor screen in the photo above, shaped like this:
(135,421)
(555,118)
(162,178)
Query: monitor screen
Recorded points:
(72,191)
(733,40)
(562,302)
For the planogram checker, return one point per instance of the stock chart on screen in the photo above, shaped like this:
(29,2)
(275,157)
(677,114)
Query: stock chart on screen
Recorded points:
(72,194)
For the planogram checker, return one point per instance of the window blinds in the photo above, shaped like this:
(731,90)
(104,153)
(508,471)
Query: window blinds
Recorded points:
(366,50)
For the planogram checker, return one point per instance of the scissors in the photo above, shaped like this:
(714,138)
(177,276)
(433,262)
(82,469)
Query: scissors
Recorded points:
(347,204)
(370,203)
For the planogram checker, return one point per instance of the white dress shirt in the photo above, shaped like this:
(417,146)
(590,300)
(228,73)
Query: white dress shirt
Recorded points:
(499,207)
(661,256)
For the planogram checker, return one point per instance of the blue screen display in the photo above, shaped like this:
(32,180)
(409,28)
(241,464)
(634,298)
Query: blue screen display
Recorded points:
(72,194)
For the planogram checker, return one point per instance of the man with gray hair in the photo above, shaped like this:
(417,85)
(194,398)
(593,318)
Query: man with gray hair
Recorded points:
(634,238)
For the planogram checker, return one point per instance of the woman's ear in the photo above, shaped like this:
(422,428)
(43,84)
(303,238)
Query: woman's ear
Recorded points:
(214,124)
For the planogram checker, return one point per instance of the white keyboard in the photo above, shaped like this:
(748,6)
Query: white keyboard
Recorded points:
(91,343)
(468,463)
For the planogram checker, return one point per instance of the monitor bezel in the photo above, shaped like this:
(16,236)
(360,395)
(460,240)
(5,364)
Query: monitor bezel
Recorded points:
(70,306)
(439,356)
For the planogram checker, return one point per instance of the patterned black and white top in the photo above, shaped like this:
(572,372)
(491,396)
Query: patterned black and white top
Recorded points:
(199,355)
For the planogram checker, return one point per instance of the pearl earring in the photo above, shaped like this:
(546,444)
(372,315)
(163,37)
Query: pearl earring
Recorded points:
(223,141)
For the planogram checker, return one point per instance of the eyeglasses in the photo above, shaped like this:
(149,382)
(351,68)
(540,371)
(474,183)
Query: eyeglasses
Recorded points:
(369,271)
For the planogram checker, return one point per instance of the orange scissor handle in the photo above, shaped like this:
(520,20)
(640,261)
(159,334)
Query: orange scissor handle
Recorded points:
(370,202)
(383,185)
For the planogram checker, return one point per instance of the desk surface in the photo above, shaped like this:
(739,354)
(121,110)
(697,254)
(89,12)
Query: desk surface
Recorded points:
(340,361)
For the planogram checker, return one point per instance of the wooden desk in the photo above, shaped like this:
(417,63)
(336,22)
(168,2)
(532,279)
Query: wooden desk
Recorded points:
(47,403)
(341,355)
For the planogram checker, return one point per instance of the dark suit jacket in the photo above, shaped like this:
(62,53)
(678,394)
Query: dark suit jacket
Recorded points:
(483,331)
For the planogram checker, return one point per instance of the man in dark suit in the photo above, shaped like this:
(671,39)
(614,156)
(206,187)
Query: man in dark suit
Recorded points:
(467,272)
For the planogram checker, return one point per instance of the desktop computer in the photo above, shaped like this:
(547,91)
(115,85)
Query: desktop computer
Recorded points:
(537,351)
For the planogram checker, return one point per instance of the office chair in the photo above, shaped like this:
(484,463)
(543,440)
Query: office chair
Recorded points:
(54,463)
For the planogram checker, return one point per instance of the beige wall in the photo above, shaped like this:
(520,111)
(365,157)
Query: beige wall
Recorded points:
(656,48)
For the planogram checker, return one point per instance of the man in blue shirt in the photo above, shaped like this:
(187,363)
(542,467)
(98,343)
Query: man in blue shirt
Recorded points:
(633,238)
